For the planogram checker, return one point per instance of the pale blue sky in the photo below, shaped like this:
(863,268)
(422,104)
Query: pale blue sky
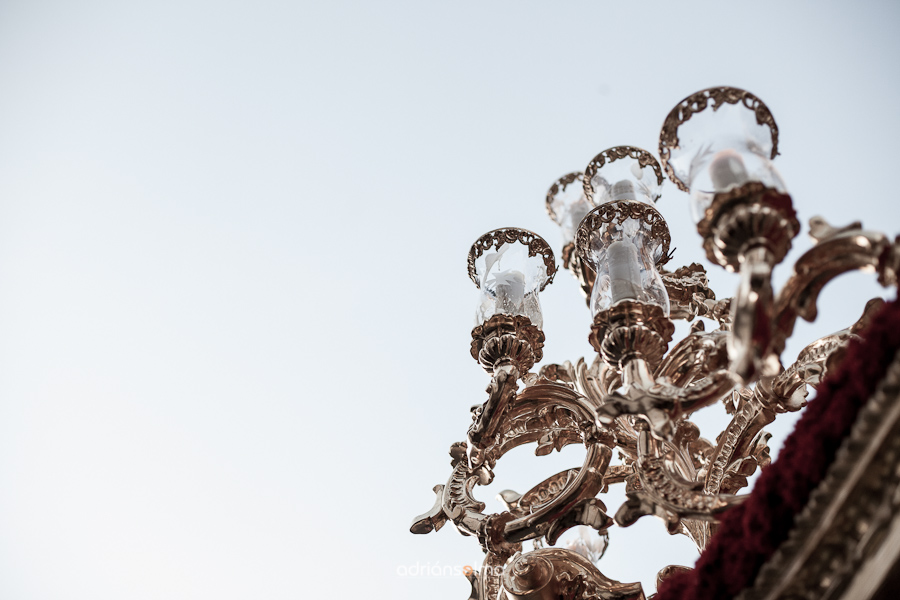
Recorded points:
(234,312)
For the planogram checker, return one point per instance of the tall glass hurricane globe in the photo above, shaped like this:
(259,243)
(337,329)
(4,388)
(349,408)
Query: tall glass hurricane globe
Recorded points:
(510,267)
(625,237)
(567,204)
(716,140)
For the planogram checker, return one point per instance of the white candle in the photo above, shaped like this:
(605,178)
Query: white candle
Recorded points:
(624,271)
(727,170)
(622,190)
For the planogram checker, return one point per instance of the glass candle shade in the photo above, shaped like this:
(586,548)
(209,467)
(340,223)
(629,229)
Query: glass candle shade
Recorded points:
(624,241)
(510,267)
(622,173)
(567,204)
(716,140)
(625,237)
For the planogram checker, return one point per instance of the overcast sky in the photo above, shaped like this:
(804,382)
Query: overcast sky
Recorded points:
(234,311)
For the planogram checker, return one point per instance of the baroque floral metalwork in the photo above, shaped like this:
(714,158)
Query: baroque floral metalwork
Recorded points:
(504,338)
(634,399)
(640,408)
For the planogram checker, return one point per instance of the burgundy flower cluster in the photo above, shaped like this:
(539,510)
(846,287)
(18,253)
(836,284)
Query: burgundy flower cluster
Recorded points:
(751,532)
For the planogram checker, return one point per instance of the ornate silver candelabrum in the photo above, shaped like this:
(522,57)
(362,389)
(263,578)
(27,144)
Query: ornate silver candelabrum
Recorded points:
(637,395)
